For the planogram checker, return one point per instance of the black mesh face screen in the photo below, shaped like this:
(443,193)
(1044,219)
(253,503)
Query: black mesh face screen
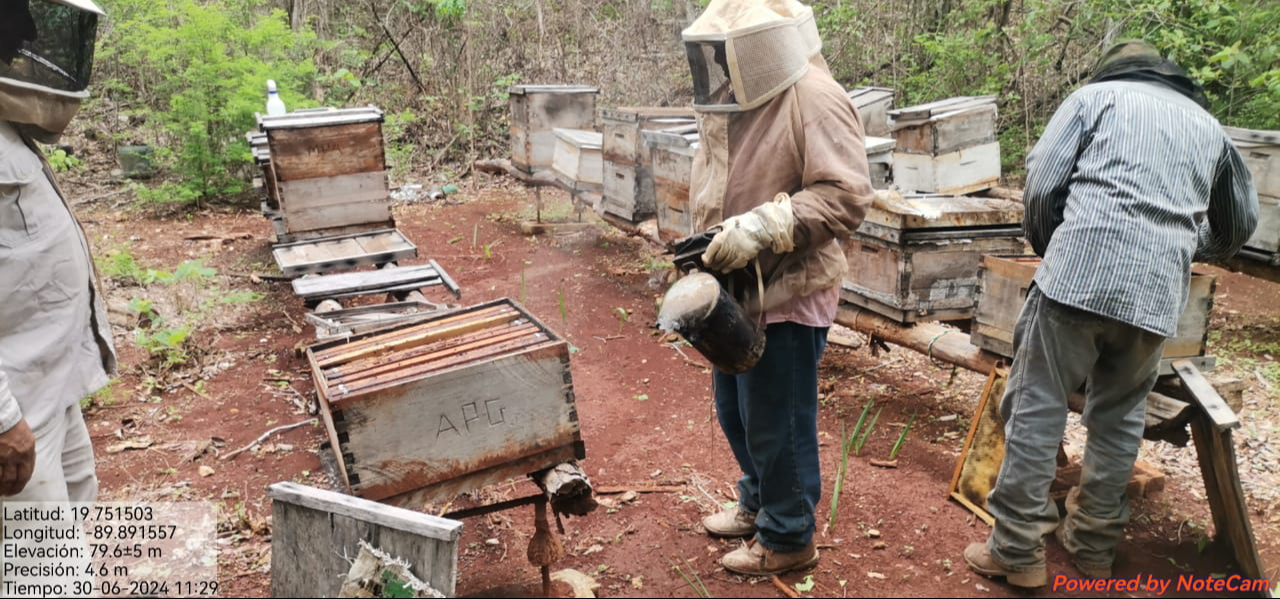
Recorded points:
(53,48)
(710,67)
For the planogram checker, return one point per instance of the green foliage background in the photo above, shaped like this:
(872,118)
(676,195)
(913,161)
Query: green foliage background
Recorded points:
(189,74)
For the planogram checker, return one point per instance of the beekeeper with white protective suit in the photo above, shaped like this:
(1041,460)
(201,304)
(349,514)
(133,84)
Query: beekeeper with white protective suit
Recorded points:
(782,168)
(55,342)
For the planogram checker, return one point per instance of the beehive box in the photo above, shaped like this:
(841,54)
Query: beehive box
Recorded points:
(1261,151)
(329,169)
(917,259)
(1005,281)
(537,110)
(470,398)
(873,105)
(628,176)
(671,152)
(880,160)
(578,162)
(947,147)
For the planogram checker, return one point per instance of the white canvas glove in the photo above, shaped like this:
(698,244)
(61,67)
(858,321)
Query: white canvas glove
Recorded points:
(744,236)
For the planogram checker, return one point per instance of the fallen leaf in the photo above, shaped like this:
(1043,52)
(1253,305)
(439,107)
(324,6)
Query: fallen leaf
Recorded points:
(138,443)
(206,471)
(873,533)
(983,588)
(881,546)
(592,549)
(629,497)
(492,542)
(806,586)
(875,575)
(637,582)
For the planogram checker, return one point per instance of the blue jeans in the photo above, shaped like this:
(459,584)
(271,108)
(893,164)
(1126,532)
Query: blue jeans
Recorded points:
(769,414)
(1058,348)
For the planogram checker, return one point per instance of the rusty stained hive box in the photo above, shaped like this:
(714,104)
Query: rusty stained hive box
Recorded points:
(536,110)
(671,154)
(1005,281)
(467,399)
(916,258)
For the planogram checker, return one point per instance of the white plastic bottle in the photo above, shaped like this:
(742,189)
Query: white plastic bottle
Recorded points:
(275,106)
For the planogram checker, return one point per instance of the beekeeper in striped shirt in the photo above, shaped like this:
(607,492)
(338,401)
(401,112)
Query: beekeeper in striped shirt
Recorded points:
(1132,180)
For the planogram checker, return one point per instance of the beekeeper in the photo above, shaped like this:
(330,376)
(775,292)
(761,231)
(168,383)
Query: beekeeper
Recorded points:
(55,344)
(782,168)
(1131,182)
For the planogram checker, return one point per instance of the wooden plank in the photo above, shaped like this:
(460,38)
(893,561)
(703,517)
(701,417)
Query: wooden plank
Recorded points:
(341,189)
(315,532)
(1215,451)
(327,151)
(347,214)
(357,281)
(425,525)
(1199,389)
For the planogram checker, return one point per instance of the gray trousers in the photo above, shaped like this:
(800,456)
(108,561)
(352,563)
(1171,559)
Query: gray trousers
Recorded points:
(1058,348)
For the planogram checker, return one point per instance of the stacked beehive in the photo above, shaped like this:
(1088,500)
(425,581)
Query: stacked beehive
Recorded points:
(326,173)
(916,258)
(947,146)
(628,175)
(1261,150)
(671,154)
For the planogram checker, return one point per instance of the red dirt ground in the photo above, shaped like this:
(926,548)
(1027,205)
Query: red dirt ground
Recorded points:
(645,416)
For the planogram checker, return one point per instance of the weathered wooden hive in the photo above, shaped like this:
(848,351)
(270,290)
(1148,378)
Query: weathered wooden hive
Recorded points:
(1005,281)
(1261,151)
(947,147)
(874,104)
(466,399)
(671,154)
(537,110)
(880,160)
(578,161)
(917,258)
(628,175)
(329,172)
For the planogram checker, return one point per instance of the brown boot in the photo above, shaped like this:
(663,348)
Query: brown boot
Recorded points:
(754,559)
(731,524)
(981,561)
(1087,569)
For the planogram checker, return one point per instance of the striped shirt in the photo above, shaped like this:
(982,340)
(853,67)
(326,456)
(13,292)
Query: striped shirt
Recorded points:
(1130,182)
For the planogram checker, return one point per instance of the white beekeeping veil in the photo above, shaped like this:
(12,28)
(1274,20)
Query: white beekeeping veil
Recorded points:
(744,52)
(46,60)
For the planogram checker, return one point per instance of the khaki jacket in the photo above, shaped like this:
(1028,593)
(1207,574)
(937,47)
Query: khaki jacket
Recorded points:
(55,341)
(808,142)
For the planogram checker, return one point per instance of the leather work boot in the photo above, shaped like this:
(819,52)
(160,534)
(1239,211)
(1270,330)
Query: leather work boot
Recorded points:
(732,523)
(754,559)
(1086,568)
(981,561)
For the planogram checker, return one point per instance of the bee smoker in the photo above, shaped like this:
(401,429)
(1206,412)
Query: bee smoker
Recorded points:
(699,308)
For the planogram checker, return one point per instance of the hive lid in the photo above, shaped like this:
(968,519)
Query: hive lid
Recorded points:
(581,138)
(363,364)
(520,90)
(322,118)
(896,211)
